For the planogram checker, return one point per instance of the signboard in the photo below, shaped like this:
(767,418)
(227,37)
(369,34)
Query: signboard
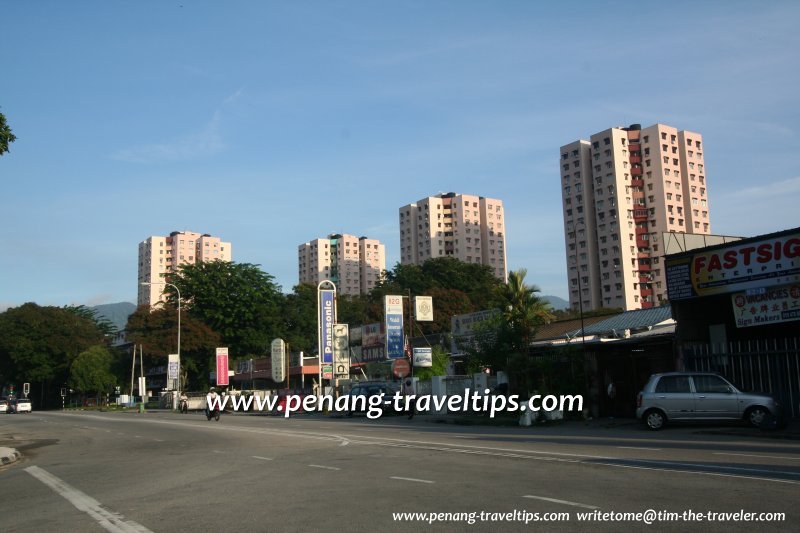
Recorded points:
(173,371)
(423,308)
(278,356)
(341,350)
(326,319)
(327,371)
(423,357)
(401,368)
(767,261)
(768,306)
(394,326)
(26,389)
(222,366)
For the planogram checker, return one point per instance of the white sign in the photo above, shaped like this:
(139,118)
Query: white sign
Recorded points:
(341,350)
(423,308)
(771,306)
(173,370)
(278,354)
(423,357)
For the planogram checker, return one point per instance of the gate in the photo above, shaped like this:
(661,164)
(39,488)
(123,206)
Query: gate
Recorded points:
(765,365)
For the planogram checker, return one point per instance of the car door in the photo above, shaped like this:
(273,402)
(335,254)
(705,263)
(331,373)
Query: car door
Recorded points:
(674,395)
(714,397)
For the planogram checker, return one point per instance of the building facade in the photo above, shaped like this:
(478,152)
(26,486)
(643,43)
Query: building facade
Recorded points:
(354,264)
(620,191)
(159,256)
(469,228)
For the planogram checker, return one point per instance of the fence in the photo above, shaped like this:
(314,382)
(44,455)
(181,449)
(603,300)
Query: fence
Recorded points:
(768,365)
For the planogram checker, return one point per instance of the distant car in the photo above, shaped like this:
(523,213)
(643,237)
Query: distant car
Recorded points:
(297,405)
(20,405)
(373,388)
(3,405)
(691,396)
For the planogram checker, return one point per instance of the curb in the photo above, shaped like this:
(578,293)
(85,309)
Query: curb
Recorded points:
(9,455)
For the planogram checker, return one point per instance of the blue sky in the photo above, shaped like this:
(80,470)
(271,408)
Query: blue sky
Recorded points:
(140,118)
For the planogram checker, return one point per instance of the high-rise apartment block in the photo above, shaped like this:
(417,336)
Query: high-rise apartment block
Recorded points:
(354,264)
(469,228)
(621,190)
(158,256)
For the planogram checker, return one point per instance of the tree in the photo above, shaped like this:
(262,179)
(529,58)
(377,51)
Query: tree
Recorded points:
(237,300)
(299,328)
(6,137)
(38,344)
(523,311)
(92,371)
(157,332)
(440,360)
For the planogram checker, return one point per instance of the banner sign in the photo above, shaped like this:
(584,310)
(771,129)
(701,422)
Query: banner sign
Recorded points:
(278,349)
(758,307)
(327,371)
(394,327)
(222,367)
(341,350)
(746,264)
(423,357)
(326,318)
(423,308)
(173,370)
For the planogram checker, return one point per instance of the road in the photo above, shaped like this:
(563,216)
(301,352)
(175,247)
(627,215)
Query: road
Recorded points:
(160,471)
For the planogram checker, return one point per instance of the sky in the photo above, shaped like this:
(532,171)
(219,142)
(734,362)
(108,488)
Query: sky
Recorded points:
(270,124)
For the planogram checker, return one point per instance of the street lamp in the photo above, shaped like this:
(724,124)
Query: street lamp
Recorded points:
(177,393)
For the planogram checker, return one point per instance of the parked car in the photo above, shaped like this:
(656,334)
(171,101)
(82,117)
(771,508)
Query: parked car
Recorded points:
(373,388)
(701,396)
(3,405)
(20,405)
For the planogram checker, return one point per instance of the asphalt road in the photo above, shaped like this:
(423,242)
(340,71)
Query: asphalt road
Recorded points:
(161,471)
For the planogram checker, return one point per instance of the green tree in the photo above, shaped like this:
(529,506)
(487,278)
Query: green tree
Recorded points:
(6,137)
(38,345)
(299,327)
(237,300)
(157,332)
(92,371)
(523,311)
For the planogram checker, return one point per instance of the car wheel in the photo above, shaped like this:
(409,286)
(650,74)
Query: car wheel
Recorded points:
(655,419)
(756,416)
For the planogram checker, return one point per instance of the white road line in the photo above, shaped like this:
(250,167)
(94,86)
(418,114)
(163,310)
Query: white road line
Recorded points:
(109,520)
(217,451)
(159,440)
(325,467)
(262,458)
(411,479)
(639,448)
(565,502)
(754,455)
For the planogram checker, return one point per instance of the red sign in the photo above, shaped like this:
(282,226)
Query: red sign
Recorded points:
(222,366)
(401,368)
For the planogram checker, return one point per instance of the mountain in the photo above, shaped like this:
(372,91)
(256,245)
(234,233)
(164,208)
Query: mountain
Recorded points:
(556,302)
(117,313)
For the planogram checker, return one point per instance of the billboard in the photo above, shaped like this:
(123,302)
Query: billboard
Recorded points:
(423,308)
(222,366)
(423,357)
(341,350)
(757,307)
(752,263)
(393,306)
(326,319)
(278,349)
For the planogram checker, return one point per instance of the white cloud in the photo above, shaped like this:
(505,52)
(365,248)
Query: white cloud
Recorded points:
(206,142)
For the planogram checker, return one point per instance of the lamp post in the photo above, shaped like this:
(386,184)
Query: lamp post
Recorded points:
(177,393)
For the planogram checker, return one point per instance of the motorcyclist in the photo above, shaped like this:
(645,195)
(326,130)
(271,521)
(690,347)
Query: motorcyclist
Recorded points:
(211,398)
(184,403)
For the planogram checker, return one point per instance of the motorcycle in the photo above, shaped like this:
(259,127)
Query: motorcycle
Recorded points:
(184,406)
(212,414)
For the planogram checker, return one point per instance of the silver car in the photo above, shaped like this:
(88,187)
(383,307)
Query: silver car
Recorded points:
(701,396)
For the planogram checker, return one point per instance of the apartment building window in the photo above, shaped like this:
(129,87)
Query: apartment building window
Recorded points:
(595,145)
(675,162)
(672,139)
(606,141)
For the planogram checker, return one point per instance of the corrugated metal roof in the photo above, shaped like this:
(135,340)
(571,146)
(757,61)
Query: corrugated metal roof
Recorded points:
(640,318)
(558,330)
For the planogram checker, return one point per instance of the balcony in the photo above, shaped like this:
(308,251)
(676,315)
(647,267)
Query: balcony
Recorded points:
(645,292)
(637,182)
(636,159)
(636,171)
(644,267)
(643,255)
(634,147)
(641,243)
(641,231)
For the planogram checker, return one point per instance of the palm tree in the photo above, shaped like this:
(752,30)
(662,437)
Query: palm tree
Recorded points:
(524,311)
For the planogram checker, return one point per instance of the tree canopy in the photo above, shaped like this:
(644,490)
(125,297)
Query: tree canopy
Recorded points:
(92,371)
(6,136)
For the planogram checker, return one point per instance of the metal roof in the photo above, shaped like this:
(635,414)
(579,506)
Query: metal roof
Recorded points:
(640,318)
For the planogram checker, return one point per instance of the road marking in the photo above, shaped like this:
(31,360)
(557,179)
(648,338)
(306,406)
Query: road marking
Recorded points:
(217,451)
(411,479)
(137,436)
(325,467)
(639,448)
(754,455)
(159,440)
(565,502)
(262,458)
(109,520)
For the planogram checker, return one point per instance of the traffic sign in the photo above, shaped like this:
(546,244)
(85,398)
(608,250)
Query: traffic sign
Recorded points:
(401,368)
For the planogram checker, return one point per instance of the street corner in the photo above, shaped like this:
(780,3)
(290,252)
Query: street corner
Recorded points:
(9,455)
